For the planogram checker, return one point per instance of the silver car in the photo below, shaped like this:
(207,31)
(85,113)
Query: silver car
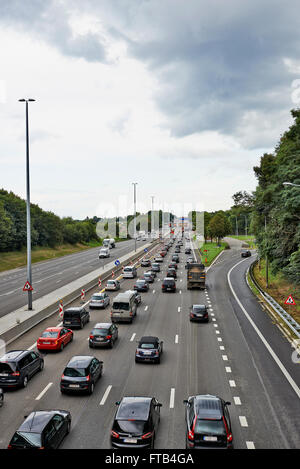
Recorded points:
(99,300)
(112,285)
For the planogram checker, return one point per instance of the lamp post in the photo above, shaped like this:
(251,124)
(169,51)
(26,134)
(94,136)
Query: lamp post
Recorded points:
(134,202)
(29,274)
(290,184)
(245,225)
(267,262)
(236,226)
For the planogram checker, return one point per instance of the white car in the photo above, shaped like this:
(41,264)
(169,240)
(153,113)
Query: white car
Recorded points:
(104,252)
(112,285)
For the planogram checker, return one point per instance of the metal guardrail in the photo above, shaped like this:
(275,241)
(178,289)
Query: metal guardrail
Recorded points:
(287,318)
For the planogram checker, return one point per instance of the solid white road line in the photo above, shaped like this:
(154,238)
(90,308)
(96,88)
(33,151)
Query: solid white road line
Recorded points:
(237,400)
(243,421)
(176,339)
(262,338)
(132,337)
(172,398)
(250,445)
(105,395)
(32,346)
(43,392)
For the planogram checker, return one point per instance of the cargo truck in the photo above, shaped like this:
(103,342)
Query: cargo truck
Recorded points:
(195,276)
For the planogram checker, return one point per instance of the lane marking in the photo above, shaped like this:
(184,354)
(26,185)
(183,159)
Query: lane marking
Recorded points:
(153,291)
(262,338)
(172,398)
(222,347)
(43,392)
(225,358)
(217,332)
(105,395)
(216,325)
(243,421)
(132,337)
(176,339)
(227,369)
(232,383)
(219,339)
(237,400)
(250,445)
(179,309)
(146,307)
(32,346)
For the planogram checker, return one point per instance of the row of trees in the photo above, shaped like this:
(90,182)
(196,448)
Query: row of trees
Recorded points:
(47,229)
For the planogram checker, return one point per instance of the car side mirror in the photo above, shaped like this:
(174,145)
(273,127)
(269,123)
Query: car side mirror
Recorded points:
(159,405)
(185,401)
(118,403)
(227,403)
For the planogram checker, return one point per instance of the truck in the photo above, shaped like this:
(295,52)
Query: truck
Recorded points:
(195,276)
(109,243)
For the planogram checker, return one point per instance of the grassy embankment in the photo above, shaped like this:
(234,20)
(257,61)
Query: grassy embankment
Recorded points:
(15,259)
(212,251)
(249,239)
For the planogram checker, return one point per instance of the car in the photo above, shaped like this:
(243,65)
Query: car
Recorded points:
(149,349)
(151,272)
(245,253)
(103,334)
(180,242)
(81,374)
(136,423)
(187,251)
(104,252)
(155,267)
(208,422)
(112,285)
(168,284)
(159,259)
(190,260)
(146,263)
(141,285)
(138,296)
(199,313)
(99,300)
(177,250)
(1,397)
(173,265)
(163,253)
(54,338)
(17,367)
(171,273)
(175,258)
(42,429)
(129,271)
(148,277)
(76,317)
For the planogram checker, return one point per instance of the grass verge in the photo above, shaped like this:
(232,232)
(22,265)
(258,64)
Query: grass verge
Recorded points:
(249,239)
(210,251)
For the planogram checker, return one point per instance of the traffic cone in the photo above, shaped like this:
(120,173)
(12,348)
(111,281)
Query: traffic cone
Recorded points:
(61,309)
(82,295)
(99,282)
(112,274)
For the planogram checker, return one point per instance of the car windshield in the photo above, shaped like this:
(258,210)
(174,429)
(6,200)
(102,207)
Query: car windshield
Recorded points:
(97,297)
(102,332)
(147,346)
(50,334)
(76,372)
(26,439)
(210,427)
(121,305)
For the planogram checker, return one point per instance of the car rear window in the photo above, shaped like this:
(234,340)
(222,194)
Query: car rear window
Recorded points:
(97,297)
(210,427)
(199,308)
(71,314)
(50,334)
(7,368)
(168,282)
(134,427)
(26,439)
(76,372)
(147,346)
(102,332)
(120,305)
(133,410)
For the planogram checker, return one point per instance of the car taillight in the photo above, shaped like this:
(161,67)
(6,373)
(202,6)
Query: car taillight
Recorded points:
(114,434)
(108,336)
(9,447)
(62,376)
(88,377)
(147,435)
(16,373)
(191,432)
(229,435)
(156,352)
(91,336)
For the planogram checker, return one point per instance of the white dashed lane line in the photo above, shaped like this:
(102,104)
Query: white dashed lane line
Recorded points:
(232,383)
(43,392)
(250,445)
(237,400)
(146,307)
(105,395)
(172,398)
(132,337)
(243,421)
(176,339)
(227,369)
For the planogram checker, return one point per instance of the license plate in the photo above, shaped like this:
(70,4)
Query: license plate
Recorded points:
(3,374)
(99,339)
(45,343)
(210,438)
(67,322)
(147,353)
(130,440)
(117,314)
(73,385)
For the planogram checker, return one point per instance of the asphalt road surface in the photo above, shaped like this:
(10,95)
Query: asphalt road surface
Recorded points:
(49,275)
(240,355)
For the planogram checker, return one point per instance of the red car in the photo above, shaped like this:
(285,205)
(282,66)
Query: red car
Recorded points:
(54,338)
(163,253)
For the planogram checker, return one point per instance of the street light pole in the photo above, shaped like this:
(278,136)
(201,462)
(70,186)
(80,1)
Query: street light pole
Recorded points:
(29,273)
(290,184)
(236,226)
(134,201)
(267,262)
(245,225)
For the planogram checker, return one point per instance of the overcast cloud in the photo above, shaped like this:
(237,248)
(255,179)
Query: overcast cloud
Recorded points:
(181,97)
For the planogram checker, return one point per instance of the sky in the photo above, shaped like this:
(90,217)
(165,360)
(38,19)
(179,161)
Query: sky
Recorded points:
(182,97)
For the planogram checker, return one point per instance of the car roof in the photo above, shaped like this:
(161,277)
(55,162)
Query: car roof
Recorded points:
(102,325)
(199,306)
(80,361)
(208,407)
(36,421)
(13,355)
(123,296)
(74,309)
(135,404)
(54,329)
(148,339)
(169,278)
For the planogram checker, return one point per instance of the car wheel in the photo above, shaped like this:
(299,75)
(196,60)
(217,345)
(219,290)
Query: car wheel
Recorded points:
(91,390)
(42,365)
(62,391)
(25,381)
(68,427)
(1,401)
(71,340)
(111,344)
(81,325)
(91,345)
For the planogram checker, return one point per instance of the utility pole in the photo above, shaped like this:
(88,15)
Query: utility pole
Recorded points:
(134,202)
(267,261)
(28,221)
(236,226)
(245,224)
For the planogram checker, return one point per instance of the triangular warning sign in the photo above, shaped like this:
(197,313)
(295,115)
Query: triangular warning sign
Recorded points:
(290,301)
(27,287)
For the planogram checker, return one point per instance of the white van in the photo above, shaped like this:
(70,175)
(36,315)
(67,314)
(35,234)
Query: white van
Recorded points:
(106,243)
(104,252)
(129,271)
(124,307)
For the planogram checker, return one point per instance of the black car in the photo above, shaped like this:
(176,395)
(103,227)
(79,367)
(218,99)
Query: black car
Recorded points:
(76,317)
(173,265)
(199,313)
(187,251)
(136,423)
(1,397)
(42,429)
(145,263)
(81,374)
(149,349)
(148,277)
(207,422)
(141,285)
(168,284)
(172,272)
(177,249)
(245,253)
(155,267)
(18,366)
(103,334)
(175,258)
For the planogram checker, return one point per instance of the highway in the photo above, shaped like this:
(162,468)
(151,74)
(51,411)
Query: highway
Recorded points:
(49,275)
(240,355)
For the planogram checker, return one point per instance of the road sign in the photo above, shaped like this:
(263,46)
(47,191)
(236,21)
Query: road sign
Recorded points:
(290,301)
(99,282)
(27,287)
(112,274)
(117,262)
(145,250)
(82,294)
(61,309)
